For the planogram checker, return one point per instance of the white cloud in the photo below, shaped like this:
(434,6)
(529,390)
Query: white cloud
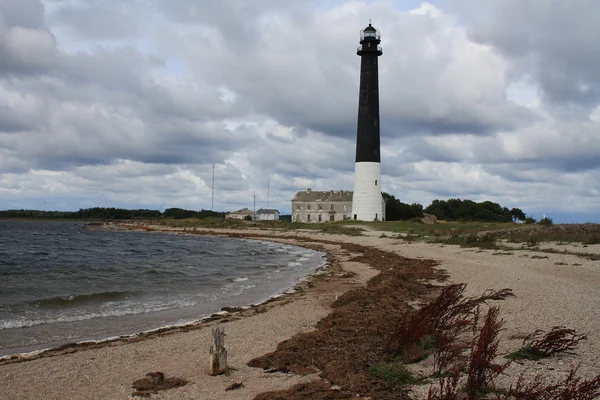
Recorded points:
(137,114)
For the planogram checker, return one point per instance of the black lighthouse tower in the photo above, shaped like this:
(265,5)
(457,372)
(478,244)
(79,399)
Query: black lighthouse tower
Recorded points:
(367,201)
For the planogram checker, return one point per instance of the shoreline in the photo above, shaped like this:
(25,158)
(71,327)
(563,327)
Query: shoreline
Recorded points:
(108,369)
(553,289)
(224,312)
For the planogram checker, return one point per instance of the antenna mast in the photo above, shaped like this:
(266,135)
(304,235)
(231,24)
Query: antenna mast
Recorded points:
(212,204)
(268,187)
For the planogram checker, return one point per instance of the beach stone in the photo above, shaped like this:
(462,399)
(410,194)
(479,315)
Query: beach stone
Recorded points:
(140,395)
(155,378)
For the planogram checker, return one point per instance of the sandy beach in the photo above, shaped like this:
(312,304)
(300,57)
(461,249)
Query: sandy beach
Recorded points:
(551,289)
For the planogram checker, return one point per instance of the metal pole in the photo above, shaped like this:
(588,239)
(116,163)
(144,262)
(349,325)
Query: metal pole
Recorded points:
(212,204)
(254,216)
(268,183)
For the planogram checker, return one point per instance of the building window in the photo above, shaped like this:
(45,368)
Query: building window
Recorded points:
(332,218)
(345,207)
(308,217)
(344,217)
(308,207)
(333,207)
(298,207)
(355,216)
(320,219)
(320,206)
(297,217)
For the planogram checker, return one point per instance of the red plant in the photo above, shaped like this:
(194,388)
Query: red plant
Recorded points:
(449,388)
(481,369)
(443,319)
(572,387)
(558,340)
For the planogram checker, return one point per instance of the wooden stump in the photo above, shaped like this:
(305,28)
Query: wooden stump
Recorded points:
(217,363)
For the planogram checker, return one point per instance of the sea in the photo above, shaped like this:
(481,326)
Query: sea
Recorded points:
(61,284)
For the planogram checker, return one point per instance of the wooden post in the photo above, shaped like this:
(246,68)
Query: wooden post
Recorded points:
(218,354)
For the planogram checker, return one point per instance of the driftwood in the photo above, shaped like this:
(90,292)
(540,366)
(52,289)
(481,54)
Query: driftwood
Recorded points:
(218,354)
(236,385)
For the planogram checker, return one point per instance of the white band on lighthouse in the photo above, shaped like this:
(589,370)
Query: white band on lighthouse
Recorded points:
(367,202)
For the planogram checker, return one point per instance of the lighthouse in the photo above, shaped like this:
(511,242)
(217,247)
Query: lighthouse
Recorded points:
(367,200)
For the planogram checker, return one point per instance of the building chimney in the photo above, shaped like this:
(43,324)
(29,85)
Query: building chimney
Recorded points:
(308,190)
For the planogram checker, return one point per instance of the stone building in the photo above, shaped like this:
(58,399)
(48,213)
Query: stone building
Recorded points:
(312,206)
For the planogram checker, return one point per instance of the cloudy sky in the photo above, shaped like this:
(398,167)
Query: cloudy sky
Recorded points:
(129,103)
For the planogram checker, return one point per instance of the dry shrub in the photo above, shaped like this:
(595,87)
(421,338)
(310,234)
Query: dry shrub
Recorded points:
(443,319)
(481,369)
(558,340)
(571,387)
(449,388)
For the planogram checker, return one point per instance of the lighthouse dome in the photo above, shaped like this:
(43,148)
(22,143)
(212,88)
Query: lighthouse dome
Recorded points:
(369,33)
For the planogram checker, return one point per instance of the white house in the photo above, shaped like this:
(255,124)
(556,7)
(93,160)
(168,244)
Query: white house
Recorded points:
(266,214)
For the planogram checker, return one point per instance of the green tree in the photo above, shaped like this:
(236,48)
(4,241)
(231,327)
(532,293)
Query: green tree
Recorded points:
(395,210)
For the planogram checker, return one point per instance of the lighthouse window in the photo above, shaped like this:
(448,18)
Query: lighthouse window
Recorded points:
(375,182)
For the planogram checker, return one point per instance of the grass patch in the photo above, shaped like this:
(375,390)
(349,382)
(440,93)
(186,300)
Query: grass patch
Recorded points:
(527,353)
(395,373)
(482,241)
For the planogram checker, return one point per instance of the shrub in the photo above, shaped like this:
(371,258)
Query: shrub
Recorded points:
(571,387)
(530,220)
(545,221)
(248,218)
(481,369)
(443,319)
(541,345)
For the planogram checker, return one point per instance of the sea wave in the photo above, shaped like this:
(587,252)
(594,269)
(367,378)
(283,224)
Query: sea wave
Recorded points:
(75,300)
(143,309)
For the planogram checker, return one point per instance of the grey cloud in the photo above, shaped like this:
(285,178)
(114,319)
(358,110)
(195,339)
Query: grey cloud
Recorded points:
(29,14)
(99,20)
(555,42)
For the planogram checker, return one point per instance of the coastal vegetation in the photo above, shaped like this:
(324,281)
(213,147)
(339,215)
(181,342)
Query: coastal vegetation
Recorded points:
(452,210)
(374,345)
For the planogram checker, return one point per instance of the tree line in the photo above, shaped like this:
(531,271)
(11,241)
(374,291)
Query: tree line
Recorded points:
(452,210)
(111,213)
(449,210)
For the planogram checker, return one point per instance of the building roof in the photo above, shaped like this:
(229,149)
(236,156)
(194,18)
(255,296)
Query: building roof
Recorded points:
(267,211)
(331,195)
(242,211)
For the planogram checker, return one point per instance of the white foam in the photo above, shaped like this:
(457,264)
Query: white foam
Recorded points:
(242,279)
